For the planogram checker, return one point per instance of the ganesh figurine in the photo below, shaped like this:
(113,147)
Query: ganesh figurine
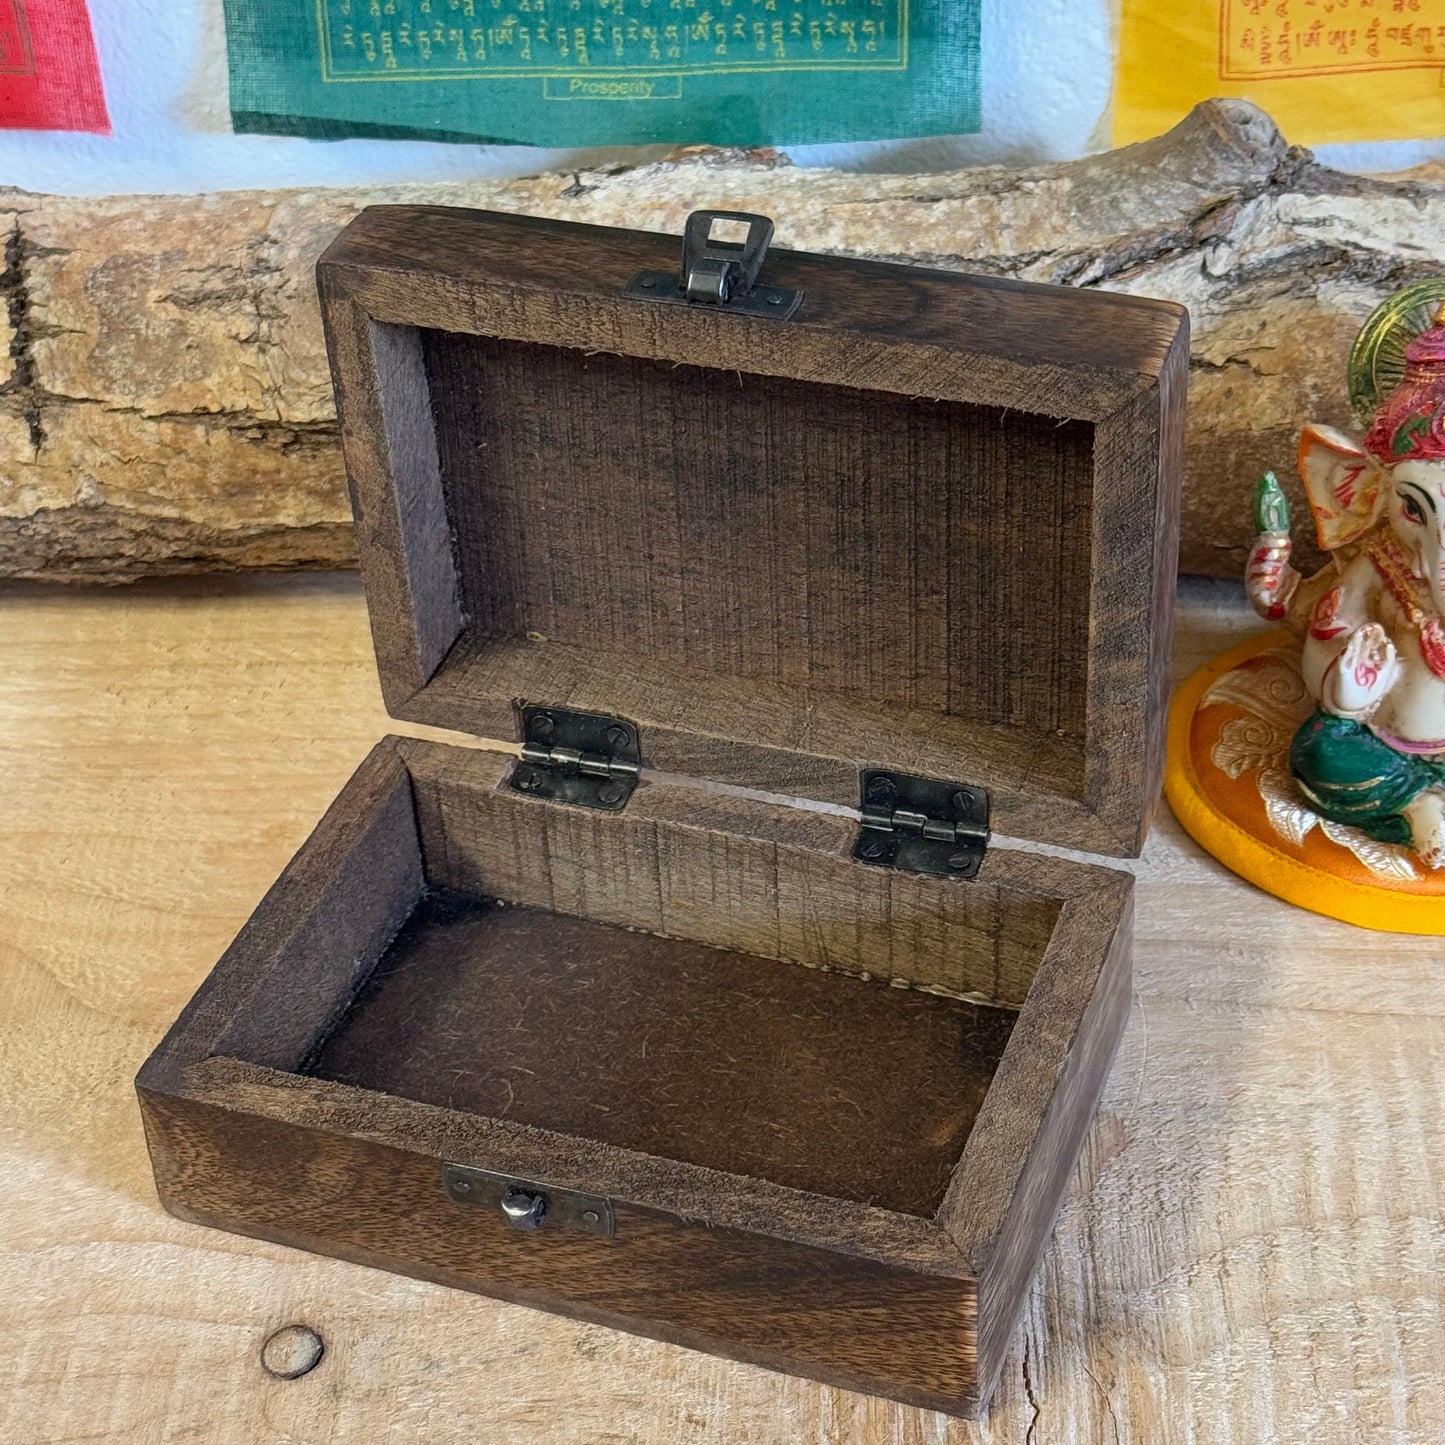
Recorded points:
(1314,763)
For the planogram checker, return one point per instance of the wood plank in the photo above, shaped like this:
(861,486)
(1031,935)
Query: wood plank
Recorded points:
(838,1086)
(846,1319)
(1249,1250)
(770,530)
(741,874)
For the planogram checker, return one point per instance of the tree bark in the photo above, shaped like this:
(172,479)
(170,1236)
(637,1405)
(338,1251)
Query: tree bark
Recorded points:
(165,405)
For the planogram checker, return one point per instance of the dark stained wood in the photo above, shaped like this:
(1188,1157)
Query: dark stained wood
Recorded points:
(1029,777)
(363,901)
(927,525)
(1164,541)
(324,919)
(738,874)
(1010,1183)
(689,1192)
(837,1086)
(745,1266)
(402,531)
(813,537)
(950,562)
(973,338)
(833,1315)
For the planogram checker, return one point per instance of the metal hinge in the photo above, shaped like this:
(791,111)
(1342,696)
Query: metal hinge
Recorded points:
(921,825)
(528,1206)
(585,758)
(720,273)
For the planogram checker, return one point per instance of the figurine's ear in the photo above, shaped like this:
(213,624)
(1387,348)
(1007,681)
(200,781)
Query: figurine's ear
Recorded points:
(1344,484)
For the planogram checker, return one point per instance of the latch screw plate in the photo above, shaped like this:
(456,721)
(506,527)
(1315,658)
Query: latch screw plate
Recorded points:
(528,1206)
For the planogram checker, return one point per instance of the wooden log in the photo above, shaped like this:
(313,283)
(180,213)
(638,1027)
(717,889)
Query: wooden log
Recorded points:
(165,405)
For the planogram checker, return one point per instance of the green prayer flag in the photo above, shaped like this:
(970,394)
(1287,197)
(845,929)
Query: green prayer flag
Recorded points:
(605,72)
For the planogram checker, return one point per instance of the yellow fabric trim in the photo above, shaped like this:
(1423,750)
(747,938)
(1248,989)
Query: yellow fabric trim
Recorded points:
(1381,909)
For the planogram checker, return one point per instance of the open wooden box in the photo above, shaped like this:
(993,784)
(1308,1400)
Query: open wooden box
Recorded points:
(623,1028)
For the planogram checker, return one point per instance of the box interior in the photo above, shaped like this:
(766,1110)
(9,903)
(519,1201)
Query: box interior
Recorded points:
(664,980)
(831,1084)
(871,565)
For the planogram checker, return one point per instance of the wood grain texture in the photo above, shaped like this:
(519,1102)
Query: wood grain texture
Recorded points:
(772,530)
(402,529)
(845,1320)
(1004,1201)
(321,953)
(1249,1253)
(740,874)
(928,522)
(164,403)
(256,1124)
(834,1085)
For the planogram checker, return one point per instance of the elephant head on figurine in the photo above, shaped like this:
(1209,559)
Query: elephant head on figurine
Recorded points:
(1394,475)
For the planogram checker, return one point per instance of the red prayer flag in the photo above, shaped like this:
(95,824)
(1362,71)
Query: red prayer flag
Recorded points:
(49,77)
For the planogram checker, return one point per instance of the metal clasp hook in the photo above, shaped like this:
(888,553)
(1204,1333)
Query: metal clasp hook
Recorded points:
(721,273)
(713,270)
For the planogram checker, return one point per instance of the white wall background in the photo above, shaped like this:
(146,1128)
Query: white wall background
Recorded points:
(163,64)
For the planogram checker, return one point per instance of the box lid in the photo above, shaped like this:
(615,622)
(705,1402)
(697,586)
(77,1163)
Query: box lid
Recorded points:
(895,518)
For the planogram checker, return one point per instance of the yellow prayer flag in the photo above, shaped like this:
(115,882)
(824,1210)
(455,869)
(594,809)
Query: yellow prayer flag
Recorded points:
(1326,70)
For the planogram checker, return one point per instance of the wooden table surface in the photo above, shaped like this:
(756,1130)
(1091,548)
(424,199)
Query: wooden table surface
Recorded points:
(1252,1250)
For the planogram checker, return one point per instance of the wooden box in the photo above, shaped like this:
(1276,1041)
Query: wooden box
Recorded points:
(703,1017)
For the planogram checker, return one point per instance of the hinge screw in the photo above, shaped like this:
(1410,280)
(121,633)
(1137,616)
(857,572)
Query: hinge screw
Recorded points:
(529,781)
(543,726)
(619,737)
(881,788)
(959,861)
(872,850)
(610,793)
